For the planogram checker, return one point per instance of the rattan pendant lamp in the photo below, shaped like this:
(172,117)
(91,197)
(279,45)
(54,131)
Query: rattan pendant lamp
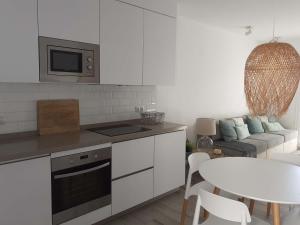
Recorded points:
(272,74)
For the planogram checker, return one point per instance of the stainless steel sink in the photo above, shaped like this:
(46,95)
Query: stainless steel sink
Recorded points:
(117,130)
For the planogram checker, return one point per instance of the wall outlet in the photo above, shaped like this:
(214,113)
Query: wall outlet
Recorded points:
(139,109)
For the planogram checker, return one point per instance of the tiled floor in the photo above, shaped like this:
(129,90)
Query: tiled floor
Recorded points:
(166,211)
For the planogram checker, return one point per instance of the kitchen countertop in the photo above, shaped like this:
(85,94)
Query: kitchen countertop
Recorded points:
(29,145)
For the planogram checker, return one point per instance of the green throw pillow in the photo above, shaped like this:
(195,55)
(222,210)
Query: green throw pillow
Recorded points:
(227,130)
(238,121)
(263,119)
(271,127)
(254,124)
(242,132)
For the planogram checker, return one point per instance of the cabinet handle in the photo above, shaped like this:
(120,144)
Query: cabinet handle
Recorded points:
(81,172)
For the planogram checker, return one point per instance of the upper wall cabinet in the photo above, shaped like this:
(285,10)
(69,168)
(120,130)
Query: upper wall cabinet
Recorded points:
(167,7)
(76,20)
(159,49)
(121,43)
(19,41)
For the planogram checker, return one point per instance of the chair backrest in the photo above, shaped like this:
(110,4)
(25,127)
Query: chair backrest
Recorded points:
(221,207)
(195,161)
(286,157)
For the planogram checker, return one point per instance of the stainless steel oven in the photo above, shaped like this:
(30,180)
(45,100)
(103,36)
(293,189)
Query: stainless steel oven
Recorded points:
(81,183)
(68,61)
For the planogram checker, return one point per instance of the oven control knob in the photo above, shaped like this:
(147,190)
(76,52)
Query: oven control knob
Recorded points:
(96,156)
(89,67)
(89,59)
(71,162)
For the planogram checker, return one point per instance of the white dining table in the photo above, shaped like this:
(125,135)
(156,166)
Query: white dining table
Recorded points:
(257,179)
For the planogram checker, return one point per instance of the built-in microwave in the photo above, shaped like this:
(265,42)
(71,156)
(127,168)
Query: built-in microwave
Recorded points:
(68,61)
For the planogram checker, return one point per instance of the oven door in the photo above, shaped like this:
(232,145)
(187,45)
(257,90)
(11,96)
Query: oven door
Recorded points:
(79,190)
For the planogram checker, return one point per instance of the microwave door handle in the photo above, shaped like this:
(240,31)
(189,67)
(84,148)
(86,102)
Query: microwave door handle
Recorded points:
(81,172)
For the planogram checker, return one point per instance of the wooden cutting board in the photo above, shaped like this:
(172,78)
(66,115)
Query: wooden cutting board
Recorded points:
(58,116)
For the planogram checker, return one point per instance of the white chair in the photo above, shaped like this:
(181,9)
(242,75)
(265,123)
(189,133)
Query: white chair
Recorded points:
(223,211)
(195,161)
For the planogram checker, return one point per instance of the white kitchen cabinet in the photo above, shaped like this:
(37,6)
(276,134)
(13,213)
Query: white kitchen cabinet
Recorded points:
(169,162)
(167,7)
(75,20)
(19,41)
(159,49)
(121,43)
(131,191)
(132,156)
(25,194)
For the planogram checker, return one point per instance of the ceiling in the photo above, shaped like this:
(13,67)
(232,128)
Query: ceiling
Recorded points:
(233,15)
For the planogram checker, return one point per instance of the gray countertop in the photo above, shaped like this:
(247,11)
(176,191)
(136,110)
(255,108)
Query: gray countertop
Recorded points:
(29,145)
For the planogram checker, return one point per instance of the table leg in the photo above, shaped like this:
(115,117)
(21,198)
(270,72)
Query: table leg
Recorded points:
(183,212)
(251,206)
(276,214)
(268,210)
(216,192)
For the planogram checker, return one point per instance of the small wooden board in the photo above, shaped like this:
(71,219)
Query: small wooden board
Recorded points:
(58,116)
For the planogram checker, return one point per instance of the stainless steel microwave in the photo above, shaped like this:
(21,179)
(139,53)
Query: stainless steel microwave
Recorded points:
(68,61)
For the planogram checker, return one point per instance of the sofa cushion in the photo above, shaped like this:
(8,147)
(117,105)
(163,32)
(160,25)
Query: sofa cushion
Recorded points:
(271,127)
(227,130)
(242,131)
(272,140)
(254,125)
(263,118)
(260,146)
(238,121)
(287,134)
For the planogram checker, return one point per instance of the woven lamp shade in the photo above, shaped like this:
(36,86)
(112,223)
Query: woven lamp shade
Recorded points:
(272,75)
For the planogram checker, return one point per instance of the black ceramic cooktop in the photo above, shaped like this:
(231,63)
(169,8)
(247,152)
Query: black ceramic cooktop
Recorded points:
(117,130)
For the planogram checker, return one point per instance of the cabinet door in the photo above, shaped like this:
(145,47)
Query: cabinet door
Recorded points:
(121,43)
(169,162)
(167,7)
(25,194)
(132,156)
(131,191)
(19,41)
(75,20)
(159,49)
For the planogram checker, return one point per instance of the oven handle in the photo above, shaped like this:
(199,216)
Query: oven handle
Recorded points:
(81,172)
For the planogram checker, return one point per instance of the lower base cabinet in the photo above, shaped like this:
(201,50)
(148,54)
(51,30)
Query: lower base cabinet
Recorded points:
(131,191)
(169,162)
(25,194)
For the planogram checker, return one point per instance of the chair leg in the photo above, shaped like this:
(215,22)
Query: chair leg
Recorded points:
(183,212)
(205,214)
(251,206)
(268,210)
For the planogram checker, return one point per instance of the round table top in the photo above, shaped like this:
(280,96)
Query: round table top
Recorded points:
(257,179)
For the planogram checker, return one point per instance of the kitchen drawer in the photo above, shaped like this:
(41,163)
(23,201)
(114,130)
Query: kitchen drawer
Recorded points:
(132,156)
(131,191)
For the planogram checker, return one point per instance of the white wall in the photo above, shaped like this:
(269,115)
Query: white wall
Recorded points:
(210,75)
(292,118)
(98,103)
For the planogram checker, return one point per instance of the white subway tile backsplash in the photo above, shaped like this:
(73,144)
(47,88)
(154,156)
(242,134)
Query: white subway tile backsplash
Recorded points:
(98,103)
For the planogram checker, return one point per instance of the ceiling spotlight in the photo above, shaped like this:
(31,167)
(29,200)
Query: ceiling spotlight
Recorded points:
(248,30)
